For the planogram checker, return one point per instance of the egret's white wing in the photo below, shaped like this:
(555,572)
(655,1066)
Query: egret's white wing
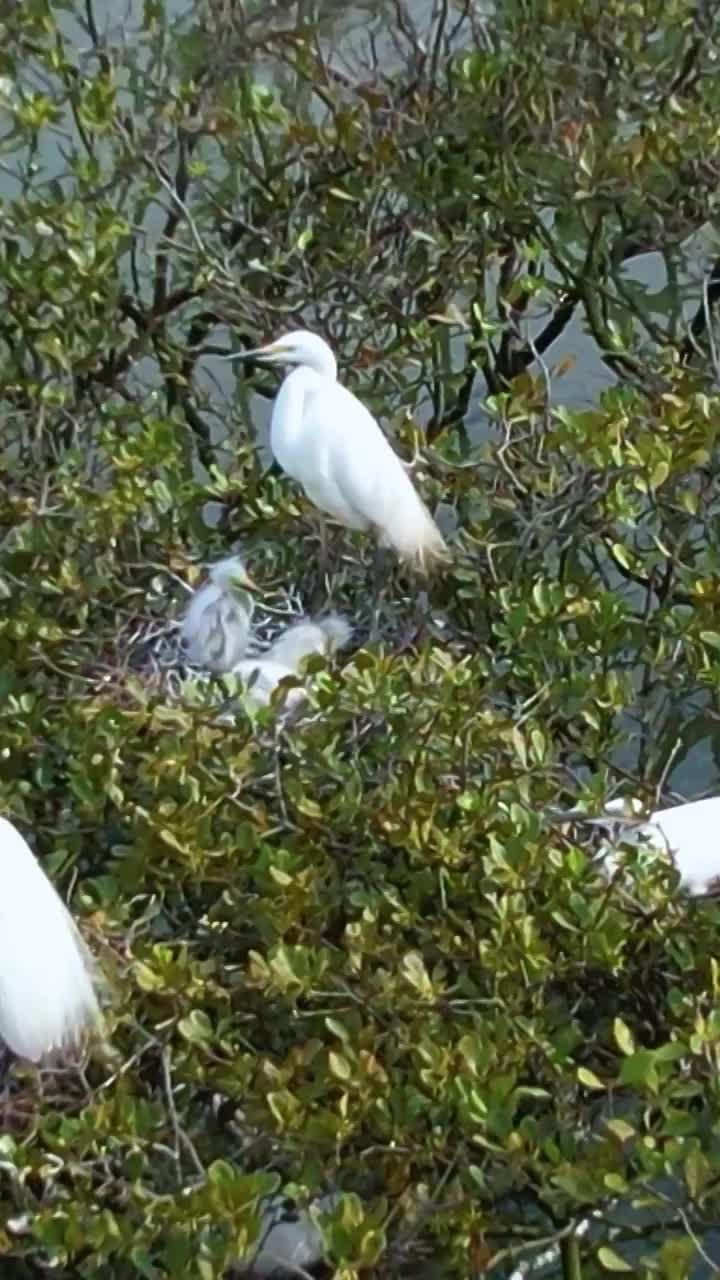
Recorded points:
(46,990)
(688,834)
(328,441)
(691,834)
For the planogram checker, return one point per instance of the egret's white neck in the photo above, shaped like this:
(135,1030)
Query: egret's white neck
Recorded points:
(321,360)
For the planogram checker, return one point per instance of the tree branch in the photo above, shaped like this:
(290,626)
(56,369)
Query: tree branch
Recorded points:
(699,322)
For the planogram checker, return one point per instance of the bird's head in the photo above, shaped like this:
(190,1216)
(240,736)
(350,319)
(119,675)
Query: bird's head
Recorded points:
(231,575)
(298,347)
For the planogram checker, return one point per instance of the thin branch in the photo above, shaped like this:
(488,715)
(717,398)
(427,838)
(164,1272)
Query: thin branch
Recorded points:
(181,1137)
(701,322)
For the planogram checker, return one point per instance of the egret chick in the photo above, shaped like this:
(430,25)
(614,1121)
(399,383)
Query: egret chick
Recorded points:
(286,656)
(216,626)
(47,999)
(325,439)
(305,637)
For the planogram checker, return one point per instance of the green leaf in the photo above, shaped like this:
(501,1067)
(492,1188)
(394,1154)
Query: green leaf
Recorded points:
(589,1079)
(659,474)
(711,638)
(640,1068)
(623,1037)
(414,972)
(676,1258)
(697,1172)
(620,1129)
(611,1261)
(339,1066)
(196,1027)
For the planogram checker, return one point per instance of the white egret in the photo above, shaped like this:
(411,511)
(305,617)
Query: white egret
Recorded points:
(285,657)
(290,1242)
(47,998)
(688,834)
(216,626)
(326,439)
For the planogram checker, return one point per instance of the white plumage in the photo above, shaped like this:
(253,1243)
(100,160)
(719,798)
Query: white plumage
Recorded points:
(46,989)
(289,1238)
(324,438)
(285,658)
(216,626)
(325,635)
(689,834)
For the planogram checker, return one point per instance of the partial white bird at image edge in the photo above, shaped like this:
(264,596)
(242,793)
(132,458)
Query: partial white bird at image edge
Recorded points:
(687,834)
(47,998)
(289,1239)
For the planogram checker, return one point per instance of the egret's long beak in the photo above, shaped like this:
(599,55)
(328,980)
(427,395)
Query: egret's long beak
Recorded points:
(246,581)
(270,353)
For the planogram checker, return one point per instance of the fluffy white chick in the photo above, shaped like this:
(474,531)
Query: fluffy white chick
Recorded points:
(216,626)
(286,656)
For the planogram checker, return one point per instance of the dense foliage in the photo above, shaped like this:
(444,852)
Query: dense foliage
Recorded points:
(362,933)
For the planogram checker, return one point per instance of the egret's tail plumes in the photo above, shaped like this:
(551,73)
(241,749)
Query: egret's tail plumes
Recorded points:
(325,635)
(46,990)
(411,531)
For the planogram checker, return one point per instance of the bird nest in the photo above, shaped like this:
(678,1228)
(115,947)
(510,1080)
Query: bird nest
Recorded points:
(152,652)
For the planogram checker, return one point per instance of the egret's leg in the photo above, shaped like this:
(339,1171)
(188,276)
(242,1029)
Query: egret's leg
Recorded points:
(381,570)
(322,590)
(421,614)
(323,557)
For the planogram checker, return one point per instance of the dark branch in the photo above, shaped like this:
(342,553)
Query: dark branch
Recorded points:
(698,324)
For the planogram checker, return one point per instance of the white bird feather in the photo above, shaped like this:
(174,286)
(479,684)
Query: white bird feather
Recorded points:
(47,1000)
(285,658)
(289,1239)
(688,834)
(323,635)
(325,439)
(216,627)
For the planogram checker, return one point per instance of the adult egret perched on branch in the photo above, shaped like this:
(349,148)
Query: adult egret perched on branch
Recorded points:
(216,627)
(324,438)
(46,990)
